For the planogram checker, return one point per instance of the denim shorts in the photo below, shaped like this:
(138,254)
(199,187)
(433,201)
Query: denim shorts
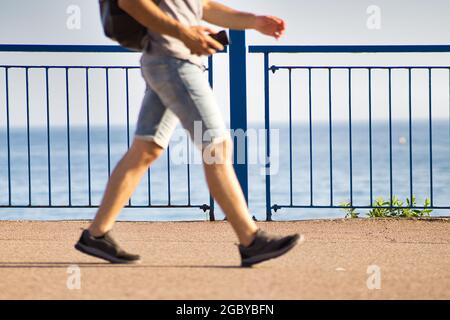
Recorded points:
(177,90)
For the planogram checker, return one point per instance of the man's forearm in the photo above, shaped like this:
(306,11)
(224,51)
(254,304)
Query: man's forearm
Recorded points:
(148,14)
(221,15)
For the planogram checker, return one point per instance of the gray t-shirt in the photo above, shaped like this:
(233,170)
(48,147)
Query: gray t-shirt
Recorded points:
(188,12)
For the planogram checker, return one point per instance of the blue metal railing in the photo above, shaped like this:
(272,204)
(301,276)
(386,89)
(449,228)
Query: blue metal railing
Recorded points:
(272,205)
(337,146)
(89,133)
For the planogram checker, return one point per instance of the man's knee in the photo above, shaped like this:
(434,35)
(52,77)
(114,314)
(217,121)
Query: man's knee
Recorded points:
(146,151)
(219,152)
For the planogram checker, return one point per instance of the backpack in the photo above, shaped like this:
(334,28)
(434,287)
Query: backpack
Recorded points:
(121,27)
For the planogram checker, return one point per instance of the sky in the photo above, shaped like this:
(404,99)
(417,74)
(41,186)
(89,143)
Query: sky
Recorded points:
(308,22)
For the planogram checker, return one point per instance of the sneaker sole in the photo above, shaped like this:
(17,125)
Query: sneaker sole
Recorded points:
(270,255)
(102,255)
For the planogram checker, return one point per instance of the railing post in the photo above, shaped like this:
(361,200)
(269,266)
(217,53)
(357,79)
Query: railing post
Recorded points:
(238,103)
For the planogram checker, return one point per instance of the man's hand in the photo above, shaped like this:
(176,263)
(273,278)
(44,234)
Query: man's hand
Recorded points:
(221,15)
(269,25)
(199,42)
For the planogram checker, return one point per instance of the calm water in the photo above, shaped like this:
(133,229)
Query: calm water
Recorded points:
(157,189)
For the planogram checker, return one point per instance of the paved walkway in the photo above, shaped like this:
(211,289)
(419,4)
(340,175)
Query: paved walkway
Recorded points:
(197,260)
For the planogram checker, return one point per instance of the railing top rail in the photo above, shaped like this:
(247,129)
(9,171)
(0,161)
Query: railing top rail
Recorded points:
(61,48)
(67,48)
(350,49)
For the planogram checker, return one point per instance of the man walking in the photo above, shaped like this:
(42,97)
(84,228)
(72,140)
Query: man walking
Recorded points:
(177,91)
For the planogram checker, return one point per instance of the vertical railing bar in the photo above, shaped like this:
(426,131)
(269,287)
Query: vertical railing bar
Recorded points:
(267,128)
(390,137)
(188,172)
(350,138)
(211,208)
(311,184)
(330,132)
(430,132)
(88,133)
(410,138)
(168,176)
(27,91)
(49,166)
(211,83)
(127,95)
(290,137)
(8,137)
(210,70)
(149,188)
(108,138)
(68,136)
(370,139)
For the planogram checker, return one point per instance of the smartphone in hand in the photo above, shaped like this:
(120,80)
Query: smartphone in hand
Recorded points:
(221,37)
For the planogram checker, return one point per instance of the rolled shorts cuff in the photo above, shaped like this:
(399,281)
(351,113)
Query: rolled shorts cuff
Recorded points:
(151,138)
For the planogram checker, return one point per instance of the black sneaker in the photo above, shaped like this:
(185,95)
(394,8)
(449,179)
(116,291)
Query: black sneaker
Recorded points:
(104,248)
(266,247)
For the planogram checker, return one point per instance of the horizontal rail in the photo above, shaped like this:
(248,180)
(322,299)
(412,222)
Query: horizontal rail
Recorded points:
(67,67)
(275,68)
(68,48)
(351,49)
(203,207)
(62,48)
(276,207)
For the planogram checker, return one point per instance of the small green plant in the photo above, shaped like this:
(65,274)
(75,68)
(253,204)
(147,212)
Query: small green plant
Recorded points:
(379,210)
(391,209)
(350,212)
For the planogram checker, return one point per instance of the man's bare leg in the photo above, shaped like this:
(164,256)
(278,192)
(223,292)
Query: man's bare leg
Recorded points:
(122,183)
(256,246)
(226,190)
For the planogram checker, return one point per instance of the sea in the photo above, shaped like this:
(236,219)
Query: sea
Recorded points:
(61,176)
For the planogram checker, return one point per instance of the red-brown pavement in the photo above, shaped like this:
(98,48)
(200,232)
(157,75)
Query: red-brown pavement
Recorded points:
(198,260)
